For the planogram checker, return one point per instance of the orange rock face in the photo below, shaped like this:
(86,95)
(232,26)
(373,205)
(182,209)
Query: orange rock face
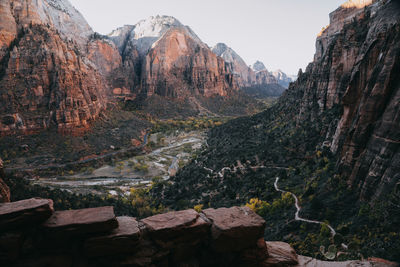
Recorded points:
(46,80)
(179,66)
(105,55)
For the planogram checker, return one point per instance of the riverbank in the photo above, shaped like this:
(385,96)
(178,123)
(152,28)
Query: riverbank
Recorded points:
(170,152)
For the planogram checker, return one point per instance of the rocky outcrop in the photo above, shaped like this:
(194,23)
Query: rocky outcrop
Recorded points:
(95,237)
(236,64)
(181,66)
(256,81)
(46,79)
(165,58)
(281,253)
(90,220)
(283,79)
(356,67)
(4,189)
(234,228)
(258,66)
(30,211)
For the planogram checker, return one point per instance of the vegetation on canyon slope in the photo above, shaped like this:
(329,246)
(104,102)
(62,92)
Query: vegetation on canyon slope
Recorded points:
(286,150)
(289,151)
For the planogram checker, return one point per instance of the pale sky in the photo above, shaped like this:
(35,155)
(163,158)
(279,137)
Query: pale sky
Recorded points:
(280,33)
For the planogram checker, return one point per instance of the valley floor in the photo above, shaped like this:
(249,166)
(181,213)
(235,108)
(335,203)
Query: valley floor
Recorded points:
(170,153)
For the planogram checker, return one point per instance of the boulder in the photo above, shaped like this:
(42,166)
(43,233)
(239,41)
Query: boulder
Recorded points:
(25,213)
(92,220)
(181,225)
(235,228)
(120,240)
(280,254)
(182,233)
(255,254)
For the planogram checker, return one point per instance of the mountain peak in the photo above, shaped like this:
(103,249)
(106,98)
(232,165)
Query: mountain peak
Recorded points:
(227,53)
(155,26)
(57,13)
(258,66)
(357,3)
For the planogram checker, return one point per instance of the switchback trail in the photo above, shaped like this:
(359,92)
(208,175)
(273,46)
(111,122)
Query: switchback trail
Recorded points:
(296,216)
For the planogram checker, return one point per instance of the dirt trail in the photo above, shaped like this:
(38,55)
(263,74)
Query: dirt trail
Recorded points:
(297,216)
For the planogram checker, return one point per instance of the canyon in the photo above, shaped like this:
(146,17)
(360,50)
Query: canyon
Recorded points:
(56,72)
(332,138)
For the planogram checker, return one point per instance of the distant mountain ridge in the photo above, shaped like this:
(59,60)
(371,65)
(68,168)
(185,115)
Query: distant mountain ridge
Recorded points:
(255,80)
(65,75)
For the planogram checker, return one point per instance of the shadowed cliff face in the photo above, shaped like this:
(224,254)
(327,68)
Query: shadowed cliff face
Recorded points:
(245,75)
(356,66)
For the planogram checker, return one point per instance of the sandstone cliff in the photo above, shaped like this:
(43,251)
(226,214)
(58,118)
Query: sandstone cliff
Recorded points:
(245,75)
(166,58)
(356,67)
(46,79)
(181,66)
(256,81)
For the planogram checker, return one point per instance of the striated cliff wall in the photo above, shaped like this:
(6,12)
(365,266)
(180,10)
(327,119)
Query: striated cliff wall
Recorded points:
(356,68)
(46,78)
(181,66)
(166,58)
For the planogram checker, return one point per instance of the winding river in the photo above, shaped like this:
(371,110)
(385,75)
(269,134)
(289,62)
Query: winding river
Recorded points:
(298,208)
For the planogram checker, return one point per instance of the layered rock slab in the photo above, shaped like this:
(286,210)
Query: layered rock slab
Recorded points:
(234,228)
(174,224)
(120,240)
(181,232)
(280,254)
(25,212)
(84,221)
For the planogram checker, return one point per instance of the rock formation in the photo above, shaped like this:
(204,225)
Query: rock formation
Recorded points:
(33,234)
(168,59)
(93,237)
(256,81)
(356,67)
(237,66)
(181,66)
(46,79)
(258,66)
(283,79)
(258,75)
